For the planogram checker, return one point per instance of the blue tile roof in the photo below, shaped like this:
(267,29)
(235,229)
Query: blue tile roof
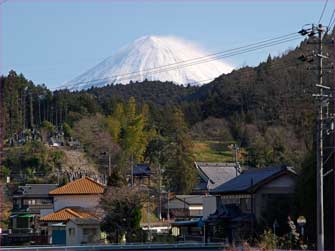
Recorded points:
(251,178)
(142,170)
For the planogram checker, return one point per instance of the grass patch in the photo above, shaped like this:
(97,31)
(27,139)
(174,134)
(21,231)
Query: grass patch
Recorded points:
(213,151)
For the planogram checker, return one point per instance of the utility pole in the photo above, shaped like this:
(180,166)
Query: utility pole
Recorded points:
(160,187)
(322,98)
(168,205)
(319,148)
(132,170)
(237,164)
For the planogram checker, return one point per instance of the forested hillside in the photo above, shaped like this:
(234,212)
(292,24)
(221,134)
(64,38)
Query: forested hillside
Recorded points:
(268,111)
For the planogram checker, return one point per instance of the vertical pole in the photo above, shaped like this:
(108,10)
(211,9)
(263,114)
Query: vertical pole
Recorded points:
(148,217)
(109,164)
(160,192)
(132,170)
(204,233)
(236,159)
(252,209)
(24,108)
(168,205)
(319,153)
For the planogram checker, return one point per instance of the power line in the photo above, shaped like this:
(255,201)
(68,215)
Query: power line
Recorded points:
(323,11)
(183,61)
(136,73)
(331,20)
(199,60)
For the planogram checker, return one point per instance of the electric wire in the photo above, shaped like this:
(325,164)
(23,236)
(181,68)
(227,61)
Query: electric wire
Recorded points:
(187,63)
(157,69)
(331,20)
(323,11)
(203,61)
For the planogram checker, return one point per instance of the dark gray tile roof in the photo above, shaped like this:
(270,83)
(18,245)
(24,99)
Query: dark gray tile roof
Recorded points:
(251,178)
(35,190)
(191,199)
(216,173)
(85,221)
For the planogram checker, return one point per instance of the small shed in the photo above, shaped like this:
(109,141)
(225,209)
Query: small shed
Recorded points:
(142,174)
(82,231)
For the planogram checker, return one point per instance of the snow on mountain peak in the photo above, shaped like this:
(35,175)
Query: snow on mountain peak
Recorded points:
(163,58)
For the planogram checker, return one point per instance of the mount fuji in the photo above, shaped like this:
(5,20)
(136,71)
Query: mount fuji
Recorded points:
(160,58)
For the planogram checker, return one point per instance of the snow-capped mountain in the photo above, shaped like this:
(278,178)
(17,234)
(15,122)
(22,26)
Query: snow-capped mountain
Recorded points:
(153,58)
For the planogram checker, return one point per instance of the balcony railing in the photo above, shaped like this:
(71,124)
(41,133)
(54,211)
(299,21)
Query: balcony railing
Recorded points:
(21,231)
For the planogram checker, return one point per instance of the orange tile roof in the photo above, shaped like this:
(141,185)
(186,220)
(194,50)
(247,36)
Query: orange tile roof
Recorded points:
(66,214)
(83,185)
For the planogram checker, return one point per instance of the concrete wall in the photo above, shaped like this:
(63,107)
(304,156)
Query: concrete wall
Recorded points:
(75,234)
(209,207)
(85,201)
(73,237)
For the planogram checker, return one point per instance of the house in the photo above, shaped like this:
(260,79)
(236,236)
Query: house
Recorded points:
(245,200)
(184,207)
(84,192)
(30,202)
(78,199)
(141,174)
(213,174)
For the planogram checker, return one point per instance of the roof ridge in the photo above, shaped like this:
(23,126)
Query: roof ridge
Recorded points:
(89,178)
(75,184)
(71,211)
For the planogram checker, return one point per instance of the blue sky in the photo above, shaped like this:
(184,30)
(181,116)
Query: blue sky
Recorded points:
(54,41)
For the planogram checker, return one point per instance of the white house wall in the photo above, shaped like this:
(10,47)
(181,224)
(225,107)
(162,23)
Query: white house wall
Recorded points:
(177,204)
(85,201)
(79,238)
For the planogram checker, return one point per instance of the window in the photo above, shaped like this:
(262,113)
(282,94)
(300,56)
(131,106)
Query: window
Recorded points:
(89,231)
(72,232)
